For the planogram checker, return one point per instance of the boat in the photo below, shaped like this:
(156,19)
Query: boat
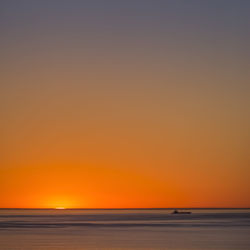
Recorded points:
(178,212)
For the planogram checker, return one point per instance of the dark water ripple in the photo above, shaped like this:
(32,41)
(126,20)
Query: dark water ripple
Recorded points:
(142,219)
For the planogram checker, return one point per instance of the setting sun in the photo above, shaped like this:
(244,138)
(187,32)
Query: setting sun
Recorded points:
(60,208)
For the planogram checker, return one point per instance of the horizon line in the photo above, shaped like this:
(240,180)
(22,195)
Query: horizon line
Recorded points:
(128,208)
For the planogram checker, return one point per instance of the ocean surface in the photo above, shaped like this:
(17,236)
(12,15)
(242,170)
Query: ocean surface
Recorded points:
(124,229)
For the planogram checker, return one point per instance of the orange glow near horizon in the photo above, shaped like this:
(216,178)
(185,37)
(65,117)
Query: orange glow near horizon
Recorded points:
(143,190)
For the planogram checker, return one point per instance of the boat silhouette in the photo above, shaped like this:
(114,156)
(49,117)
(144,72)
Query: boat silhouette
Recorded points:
(178,212)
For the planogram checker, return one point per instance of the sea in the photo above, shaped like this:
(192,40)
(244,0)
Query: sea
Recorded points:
(73,229)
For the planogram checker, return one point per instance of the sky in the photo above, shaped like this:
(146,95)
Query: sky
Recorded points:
(124,104)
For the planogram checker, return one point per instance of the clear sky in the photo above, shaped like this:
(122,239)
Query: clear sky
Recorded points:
(137,103)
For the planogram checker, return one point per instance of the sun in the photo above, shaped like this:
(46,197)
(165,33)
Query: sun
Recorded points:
(59,202)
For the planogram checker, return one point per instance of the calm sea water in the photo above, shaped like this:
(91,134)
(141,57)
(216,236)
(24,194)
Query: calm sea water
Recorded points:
(124,229)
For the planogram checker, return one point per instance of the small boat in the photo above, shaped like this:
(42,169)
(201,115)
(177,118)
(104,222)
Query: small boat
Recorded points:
(177,212)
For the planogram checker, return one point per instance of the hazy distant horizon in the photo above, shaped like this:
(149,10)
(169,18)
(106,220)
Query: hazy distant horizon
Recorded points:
(135,208)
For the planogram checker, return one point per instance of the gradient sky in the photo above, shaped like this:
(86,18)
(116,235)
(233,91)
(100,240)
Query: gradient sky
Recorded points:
(141,103)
